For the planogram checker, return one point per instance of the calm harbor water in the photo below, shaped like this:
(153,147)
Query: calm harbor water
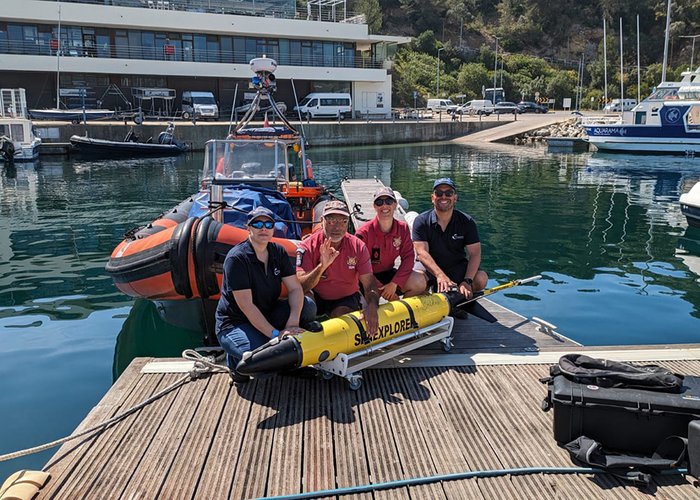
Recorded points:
(619,264)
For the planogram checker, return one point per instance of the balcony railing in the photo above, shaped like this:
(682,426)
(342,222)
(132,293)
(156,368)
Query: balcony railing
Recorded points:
(176,53)
(327,12)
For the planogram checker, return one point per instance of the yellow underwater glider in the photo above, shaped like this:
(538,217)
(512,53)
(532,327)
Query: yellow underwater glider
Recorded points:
(346,334)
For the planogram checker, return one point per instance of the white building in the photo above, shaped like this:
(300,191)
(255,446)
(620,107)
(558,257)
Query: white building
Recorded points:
(108,46)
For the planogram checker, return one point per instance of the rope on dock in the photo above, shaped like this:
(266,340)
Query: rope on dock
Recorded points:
(202,366)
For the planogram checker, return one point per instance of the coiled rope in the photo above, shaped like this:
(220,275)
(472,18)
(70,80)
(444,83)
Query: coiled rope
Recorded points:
(202,366)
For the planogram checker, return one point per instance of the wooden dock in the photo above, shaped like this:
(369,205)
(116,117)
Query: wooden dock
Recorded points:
(284,435)
(423,413)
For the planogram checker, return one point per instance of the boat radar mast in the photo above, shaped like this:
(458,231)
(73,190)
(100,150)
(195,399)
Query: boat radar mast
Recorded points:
(265,83)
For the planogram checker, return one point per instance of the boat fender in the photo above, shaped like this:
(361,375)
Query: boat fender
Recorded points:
(203,248)
(7,148)
(178,257)
(309,169)
(23,485)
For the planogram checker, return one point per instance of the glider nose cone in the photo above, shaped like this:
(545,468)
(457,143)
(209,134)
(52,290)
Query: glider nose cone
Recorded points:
(277,355)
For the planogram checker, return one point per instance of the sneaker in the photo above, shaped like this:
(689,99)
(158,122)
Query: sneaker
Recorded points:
(459,314)
(239,378)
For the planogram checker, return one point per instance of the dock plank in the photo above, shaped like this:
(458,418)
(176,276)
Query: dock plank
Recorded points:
(318,471)
(380,445)
(127,388)
(154,467)
(285,476)
(413,450)
(253,468)
(219,470)
(351,464)
(184,474)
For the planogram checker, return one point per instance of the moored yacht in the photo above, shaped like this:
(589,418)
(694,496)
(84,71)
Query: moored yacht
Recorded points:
(668,121)
(17,139)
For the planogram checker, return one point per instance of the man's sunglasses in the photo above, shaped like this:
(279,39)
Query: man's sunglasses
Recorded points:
(384,201)
(447,192)
(258,224)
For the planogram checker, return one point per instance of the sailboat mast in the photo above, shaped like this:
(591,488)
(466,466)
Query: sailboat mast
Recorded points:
(58,61)
(622,73)
(639,73)
(605,63)
(668,27)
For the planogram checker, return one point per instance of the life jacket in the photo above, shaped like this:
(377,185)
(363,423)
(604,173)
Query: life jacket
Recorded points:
(583,369)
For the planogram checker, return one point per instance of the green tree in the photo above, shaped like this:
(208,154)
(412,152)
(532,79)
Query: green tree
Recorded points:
(414,71)
(562,85)
(471,78)
(372,12)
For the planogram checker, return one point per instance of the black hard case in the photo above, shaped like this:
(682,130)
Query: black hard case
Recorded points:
(631,420)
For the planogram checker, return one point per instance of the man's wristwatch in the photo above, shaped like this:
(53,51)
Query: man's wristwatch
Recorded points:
(468,281)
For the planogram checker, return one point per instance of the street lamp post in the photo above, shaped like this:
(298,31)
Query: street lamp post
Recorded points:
(692,50)
(495,71)
(437,93)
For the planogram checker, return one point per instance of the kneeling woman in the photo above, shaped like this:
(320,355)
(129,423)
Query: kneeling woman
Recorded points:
(250,311)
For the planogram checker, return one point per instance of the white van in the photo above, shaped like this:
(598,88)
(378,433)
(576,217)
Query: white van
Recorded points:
(438,105)
(325,105)
(617,105)
(477,107)
(200,105)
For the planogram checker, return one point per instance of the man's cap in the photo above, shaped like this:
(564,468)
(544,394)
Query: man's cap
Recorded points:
(260,211)
(336,207)
(446,181)
(384,191)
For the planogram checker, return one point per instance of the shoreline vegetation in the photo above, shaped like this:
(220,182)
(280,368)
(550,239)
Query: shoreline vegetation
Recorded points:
(541,47)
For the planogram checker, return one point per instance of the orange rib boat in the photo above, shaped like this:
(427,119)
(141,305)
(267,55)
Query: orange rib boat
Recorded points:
(177,260)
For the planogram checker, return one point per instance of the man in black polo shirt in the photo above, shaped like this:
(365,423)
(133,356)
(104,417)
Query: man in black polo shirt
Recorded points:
(447,243)
(250,312)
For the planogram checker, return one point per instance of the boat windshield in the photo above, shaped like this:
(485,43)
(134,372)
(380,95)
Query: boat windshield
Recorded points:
(248,160)
(664,94)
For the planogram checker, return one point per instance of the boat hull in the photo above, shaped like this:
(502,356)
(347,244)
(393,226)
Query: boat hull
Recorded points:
(673,133)
(173,259)
(631,145)
(70,114)
(690,205)
(100,147)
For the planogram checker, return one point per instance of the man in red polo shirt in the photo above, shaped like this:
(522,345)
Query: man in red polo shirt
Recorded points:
(386,239)
(333,263)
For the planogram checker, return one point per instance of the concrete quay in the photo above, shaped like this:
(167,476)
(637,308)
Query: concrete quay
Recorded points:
(56,135)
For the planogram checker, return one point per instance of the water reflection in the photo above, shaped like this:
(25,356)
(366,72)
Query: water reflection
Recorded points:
(145,334)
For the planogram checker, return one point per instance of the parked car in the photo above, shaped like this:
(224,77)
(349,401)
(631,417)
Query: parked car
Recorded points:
(504,107)
(532,107)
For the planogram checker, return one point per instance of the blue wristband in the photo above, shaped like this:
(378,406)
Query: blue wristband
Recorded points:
(275,333)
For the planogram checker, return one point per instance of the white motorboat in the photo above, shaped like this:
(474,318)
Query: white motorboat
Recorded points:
(17,139)
(668,121)
(690,205)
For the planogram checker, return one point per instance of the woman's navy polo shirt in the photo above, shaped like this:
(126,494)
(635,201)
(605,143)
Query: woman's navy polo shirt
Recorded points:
(242,271)
(447,248)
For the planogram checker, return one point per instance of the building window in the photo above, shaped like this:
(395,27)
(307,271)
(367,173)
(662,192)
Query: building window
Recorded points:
(76,41)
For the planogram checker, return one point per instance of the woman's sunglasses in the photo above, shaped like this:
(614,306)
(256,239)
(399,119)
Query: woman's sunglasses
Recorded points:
(258,224)
(384,201)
